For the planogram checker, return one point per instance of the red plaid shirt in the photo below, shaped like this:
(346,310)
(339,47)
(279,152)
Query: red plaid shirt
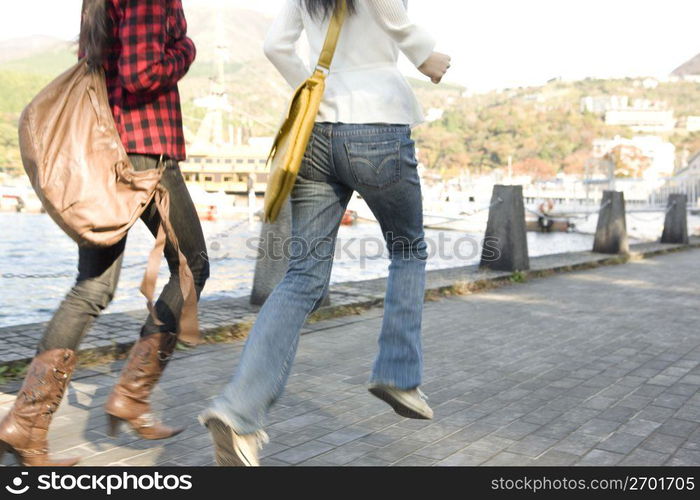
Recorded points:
(148,54)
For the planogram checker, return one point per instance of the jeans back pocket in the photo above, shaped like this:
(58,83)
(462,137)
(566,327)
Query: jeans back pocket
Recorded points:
(375,164)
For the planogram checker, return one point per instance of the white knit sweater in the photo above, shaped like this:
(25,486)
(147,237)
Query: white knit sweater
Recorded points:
(364,85)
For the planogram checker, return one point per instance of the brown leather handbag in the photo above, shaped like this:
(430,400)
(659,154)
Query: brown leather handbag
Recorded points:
(79,169)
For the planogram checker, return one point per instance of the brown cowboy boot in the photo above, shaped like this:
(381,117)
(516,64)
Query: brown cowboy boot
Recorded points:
(129,399)
(23,431)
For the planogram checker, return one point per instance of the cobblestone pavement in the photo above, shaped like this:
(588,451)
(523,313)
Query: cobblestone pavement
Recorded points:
(595,367)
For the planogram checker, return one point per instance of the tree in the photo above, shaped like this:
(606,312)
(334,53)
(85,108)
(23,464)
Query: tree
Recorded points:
(442,150)
(9,149)
(575,163)
(537,168)
(629,161)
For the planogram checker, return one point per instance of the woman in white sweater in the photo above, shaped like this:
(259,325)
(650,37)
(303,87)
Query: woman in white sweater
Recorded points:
(361,142)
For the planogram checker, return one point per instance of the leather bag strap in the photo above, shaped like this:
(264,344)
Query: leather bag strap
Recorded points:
(334,28)
(188,321)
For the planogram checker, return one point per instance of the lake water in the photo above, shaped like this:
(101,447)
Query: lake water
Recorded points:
(33,245)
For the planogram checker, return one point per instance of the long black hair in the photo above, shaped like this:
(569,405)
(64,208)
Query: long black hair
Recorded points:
(325,8)
(94,31)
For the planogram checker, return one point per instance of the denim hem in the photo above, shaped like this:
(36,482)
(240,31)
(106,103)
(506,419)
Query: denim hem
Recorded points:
(215,412)
(392,383)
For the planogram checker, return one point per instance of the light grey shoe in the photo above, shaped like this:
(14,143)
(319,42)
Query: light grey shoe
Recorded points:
(409,404)
(232,449)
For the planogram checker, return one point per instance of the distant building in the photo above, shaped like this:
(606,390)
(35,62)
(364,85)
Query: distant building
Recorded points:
(689,123)
(434,114)
(685,181)
(639,104)
(641,115)
(601,104)
(661,154)
(538,97)
(691,170)
(642,119)
(694,164)
(650,83)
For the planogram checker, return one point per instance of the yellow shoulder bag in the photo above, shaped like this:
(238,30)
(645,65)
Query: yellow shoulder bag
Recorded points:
(293,138)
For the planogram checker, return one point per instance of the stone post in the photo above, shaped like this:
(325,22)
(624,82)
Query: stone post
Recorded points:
(505,242)
(611,233)
(676,224)
(272,261)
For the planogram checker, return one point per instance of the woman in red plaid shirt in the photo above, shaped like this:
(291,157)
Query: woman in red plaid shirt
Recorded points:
(144,49)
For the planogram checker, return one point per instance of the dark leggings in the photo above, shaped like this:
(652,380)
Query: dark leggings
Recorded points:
(99,268)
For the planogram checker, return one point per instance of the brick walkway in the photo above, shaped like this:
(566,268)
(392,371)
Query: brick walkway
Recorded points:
(597,367)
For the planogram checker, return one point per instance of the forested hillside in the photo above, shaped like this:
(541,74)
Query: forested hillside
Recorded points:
(543,128)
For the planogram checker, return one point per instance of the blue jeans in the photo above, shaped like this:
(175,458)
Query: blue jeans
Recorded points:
(377,161)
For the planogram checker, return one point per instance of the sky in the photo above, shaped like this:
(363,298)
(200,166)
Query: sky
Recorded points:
(493,43)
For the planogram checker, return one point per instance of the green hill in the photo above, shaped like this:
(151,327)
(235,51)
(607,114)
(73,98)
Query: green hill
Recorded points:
(257,93)
(45,64)
(16,89)
(541,128)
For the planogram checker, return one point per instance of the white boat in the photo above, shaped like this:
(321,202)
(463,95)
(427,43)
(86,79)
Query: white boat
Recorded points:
(455,215)
(214,206)
(19,198)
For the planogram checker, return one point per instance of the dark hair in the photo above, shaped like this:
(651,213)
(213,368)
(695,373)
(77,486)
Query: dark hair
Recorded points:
(94,31)
(324,8)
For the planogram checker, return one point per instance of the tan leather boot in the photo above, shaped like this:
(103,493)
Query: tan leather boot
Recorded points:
(129,400)
(23,431)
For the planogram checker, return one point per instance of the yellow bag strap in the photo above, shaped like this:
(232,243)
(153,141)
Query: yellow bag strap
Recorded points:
(326,58)
(324,61)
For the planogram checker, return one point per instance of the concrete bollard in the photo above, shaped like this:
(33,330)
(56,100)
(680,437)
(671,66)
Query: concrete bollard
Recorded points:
(272,262)
(676,224)
(611,233)
(505,242)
